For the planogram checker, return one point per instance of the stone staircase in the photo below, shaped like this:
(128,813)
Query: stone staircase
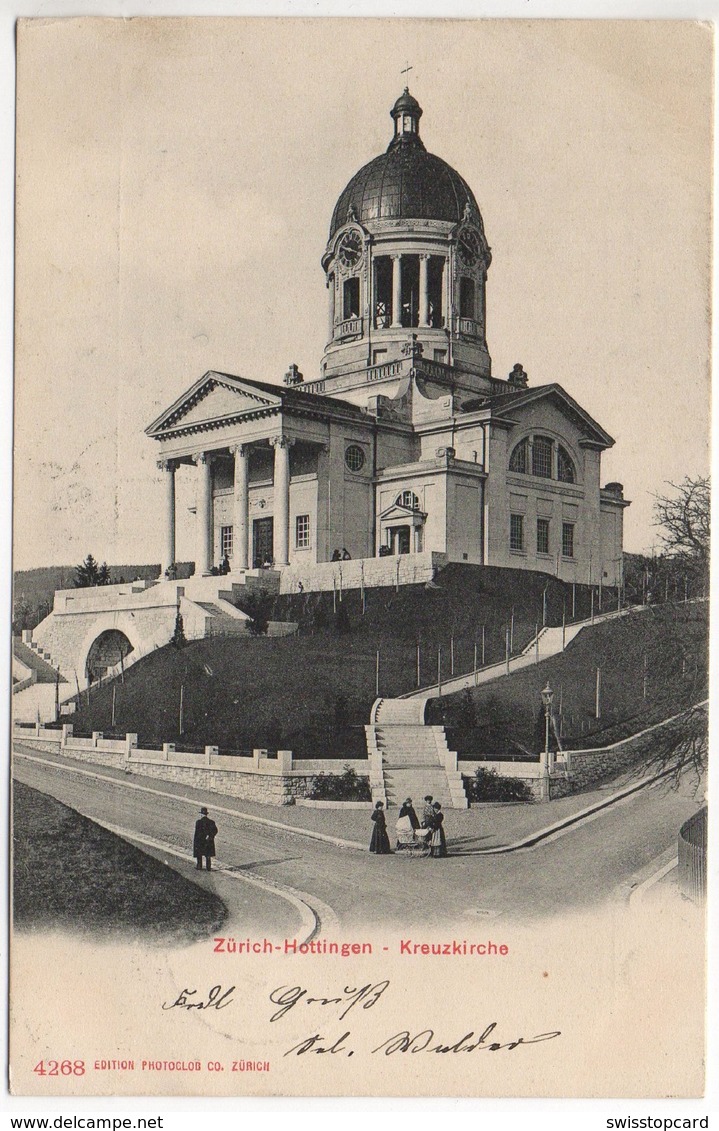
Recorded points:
(409,759)
(40,652)
(222,621)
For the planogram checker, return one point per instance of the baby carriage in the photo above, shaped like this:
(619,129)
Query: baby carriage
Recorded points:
(415,842)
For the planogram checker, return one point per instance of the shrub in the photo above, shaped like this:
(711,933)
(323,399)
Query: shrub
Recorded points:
(488,785)
(258,606)
(347,786)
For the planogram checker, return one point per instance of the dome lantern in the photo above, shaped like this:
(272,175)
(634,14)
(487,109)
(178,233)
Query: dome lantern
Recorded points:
(406,113)
(406,251)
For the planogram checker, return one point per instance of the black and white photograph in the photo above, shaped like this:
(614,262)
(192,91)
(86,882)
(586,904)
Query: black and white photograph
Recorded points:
(360,612)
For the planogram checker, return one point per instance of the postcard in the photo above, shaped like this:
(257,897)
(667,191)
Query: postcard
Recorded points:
(361,557)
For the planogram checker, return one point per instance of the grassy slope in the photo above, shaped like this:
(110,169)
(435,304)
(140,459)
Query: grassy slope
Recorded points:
(240,693)
(70,873)
(674,639)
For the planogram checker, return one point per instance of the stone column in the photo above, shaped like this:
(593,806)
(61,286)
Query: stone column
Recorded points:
(169,466)
(447,294)
(331,289)
(203,517)
(397,290)
(240,542)
(423,291)
(281,525)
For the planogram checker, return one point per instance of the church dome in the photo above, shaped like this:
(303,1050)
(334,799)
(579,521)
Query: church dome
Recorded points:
(406,182)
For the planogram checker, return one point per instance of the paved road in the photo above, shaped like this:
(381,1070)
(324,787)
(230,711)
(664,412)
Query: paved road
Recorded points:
(586,865)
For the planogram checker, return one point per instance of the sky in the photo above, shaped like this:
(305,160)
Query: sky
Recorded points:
(175,183)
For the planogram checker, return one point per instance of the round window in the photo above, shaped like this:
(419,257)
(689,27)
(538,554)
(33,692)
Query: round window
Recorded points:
(354,457)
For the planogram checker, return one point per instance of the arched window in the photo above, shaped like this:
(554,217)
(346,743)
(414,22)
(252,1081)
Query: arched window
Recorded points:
(565,466)
(534,456)
(518,460)
(407,499)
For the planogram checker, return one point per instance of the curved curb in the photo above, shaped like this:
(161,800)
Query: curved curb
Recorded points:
(310,921)
(636,896)
(566,822)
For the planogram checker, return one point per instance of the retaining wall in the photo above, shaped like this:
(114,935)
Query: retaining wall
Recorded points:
(405,569)
(270,779)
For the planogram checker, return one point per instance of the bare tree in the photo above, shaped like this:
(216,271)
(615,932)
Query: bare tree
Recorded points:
(684,518)
(680,747)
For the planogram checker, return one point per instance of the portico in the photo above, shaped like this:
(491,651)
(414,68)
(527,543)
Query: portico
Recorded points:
(204,461)
(258,487)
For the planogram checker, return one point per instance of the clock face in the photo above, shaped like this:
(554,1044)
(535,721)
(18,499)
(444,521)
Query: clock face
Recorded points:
(468,246)
(350,249)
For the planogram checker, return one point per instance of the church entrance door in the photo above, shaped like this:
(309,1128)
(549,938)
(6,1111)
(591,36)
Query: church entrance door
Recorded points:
(400,539)
(262,542)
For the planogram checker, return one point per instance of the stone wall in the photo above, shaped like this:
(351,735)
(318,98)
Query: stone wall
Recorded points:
(414,569)
(262,778)
(590,767)
(268,789)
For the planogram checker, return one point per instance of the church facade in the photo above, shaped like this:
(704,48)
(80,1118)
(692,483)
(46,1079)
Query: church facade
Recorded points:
(405,442)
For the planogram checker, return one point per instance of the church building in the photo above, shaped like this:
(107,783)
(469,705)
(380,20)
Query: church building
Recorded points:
(405,442)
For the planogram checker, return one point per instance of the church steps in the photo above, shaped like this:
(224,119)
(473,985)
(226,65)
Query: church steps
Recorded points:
(411,761)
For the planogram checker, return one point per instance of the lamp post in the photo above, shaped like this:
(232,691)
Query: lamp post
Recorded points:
(547,697)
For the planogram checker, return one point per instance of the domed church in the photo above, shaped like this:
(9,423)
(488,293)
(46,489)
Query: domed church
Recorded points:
(404,443)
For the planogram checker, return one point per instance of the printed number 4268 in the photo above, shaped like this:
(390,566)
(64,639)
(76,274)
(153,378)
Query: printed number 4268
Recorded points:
(60,1068)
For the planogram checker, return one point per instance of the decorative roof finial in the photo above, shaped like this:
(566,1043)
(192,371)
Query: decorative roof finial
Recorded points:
(293,375)
(518,377)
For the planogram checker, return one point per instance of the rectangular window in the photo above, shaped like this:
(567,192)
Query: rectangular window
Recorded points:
(226,541)
(351,298)
(516,531)
(542,457)
(568,539)
(466,298)
(302,532)
(542,535)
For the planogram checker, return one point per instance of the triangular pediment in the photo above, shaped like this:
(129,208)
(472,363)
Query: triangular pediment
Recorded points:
(509,408)
(215,397)
(401,514)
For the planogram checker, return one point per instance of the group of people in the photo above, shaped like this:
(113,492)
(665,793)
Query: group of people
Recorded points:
(342,555)
(431,829)
(431,825)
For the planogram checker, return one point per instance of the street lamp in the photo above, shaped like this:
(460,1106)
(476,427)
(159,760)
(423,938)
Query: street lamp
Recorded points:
(547,697)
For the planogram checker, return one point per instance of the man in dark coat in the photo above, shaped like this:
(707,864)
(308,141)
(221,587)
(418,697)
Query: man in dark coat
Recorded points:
(204,841)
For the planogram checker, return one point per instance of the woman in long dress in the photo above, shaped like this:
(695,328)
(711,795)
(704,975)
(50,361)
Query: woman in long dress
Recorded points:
(380,841)
(438,841)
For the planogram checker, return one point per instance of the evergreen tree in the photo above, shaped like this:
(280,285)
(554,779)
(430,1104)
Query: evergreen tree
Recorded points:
(178,637)
(90,572)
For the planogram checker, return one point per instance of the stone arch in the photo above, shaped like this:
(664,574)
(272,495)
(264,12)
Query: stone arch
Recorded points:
(108,649)
(122,626)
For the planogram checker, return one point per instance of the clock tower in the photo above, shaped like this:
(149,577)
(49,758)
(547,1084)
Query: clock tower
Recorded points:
(406,259)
